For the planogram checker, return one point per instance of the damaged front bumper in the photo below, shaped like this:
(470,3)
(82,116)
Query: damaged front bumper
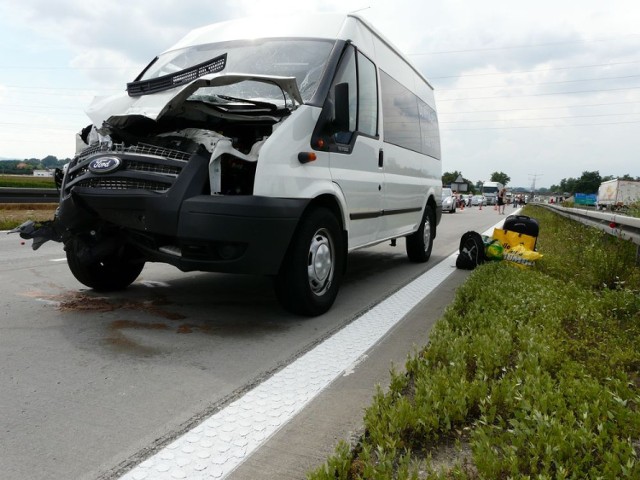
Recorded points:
(181,224)
(39,232)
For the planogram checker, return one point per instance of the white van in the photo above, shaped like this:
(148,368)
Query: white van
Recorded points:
(256,146)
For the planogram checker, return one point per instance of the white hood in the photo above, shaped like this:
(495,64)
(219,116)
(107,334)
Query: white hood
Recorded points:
(155,105)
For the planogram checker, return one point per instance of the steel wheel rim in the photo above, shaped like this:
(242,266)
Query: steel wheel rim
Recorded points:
(427,234)
(320,262)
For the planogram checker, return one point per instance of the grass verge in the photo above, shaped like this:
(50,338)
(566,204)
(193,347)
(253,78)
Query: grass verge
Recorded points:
(15,214)
(529,374)
(26,181)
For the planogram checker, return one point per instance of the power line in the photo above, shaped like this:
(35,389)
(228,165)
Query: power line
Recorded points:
(40,106)
(20,87)
(538,108)
(540,94)
(515,47)
(537,83)
(540,126)
(542,118)
(534,71)
(16,124)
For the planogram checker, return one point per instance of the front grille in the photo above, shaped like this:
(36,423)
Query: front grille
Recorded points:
(114,183)
(143,167)
(140,149)
(153,167)
(146,149)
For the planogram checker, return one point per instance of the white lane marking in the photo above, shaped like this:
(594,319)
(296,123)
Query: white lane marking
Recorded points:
(217,446)
(222,442)
(58,259)
(352,368)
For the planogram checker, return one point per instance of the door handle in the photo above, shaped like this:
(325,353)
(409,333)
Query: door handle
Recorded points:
(380,159)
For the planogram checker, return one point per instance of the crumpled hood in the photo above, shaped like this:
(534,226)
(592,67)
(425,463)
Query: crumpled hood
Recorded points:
(155,105)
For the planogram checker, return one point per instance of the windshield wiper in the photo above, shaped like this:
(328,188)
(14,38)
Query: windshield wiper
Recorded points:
(172,80)
(269,106)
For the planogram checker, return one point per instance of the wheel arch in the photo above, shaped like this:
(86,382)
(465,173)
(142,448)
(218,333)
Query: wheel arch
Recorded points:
(332,203)
(431,202)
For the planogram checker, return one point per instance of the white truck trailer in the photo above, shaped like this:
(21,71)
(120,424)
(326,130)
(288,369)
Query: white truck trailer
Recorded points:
(614,194)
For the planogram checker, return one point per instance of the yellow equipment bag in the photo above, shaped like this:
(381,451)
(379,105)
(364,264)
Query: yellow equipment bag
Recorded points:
(521,257)
(509,239)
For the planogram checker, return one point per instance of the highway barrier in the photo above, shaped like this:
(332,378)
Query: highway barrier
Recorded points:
(621,226)
(29,195)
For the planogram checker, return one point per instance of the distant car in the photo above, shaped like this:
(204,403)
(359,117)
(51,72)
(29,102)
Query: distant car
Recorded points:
(478,200)
(448,201)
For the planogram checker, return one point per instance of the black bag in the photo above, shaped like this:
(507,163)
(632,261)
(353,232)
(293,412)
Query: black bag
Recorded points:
(522,224)
(471,251)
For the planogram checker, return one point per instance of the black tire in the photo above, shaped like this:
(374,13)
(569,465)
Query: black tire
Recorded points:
(420,243)
(115,271)
(311,272)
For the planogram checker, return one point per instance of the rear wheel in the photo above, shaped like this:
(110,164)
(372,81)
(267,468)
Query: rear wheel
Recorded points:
(311,272)
(420,243)
(115,271)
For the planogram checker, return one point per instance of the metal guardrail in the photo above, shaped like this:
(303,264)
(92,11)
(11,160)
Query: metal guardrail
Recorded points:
(29,195)
(621,226)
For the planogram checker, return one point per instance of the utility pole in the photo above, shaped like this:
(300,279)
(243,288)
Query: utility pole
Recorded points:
(533,184)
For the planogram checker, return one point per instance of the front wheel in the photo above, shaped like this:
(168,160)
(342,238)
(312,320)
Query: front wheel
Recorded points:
(311,272)
(115,271)
(420,243)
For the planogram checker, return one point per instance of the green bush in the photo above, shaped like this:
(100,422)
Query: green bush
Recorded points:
(634,210)
(536,371)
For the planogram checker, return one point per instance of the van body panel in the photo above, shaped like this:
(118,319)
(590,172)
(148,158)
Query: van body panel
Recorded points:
(260,146)
(361,181)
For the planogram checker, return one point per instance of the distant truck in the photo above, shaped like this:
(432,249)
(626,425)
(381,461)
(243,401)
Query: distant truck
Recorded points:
(615,194)
(490,190)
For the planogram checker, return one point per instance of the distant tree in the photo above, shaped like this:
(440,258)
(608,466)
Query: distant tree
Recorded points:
(626,176)
(49,161)
(500,177)
(588,183)
(449,177)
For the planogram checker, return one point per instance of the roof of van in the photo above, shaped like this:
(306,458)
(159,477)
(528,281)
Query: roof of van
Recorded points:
(326,25)
(310,25)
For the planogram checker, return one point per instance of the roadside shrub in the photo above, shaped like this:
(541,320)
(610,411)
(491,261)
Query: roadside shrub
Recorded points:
(586,256)
(535,372)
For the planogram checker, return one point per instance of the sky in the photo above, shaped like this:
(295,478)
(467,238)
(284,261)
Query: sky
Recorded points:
(539,90)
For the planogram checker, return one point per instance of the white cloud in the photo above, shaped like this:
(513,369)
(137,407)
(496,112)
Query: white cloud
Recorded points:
(516,52)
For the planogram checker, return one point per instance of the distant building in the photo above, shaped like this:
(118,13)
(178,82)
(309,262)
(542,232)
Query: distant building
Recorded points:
(43,173)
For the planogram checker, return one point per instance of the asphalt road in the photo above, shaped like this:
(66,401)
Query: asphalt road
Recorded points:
(92,383)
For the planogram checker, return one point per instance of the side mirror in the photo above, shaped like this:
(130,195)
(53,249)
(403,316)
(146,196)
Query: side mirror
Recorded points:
(341,119)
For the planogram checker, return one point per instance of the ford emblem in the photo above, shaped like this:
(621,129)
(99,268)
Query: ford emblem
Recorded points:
(104,164)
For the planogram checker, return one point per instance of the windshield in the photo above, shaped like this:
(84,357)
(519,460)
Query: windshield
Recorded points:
(490,190)
(303,59)
(446,192)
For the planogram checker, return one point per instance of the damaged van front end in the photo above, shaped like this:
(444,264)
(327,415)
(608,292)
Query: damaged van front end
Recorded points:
(260,146)
(166,171)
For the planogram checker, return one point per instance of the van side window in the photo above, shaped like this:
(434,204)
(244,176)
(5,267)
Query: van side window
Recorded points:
(352,103)
(347,74)
(408,121)
(367,97)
